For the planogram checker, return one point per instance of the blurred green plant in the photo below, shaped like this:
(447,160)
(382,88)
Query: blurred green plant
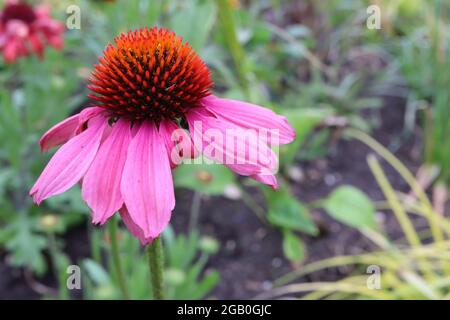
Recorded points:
(419,40)
(185,276)
(26,108)
(416,267)
(293,67)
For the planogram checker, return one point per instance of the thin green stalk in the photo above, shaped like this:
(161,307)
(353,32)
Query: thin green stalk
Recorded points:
(156,264)
(398,210)
(417,210)
(115,254)
(195,211)
(341,286)
(406,175)
(228,27)
(253,205)
(95,240)
(394,203)
(426,207)
(59,274)
(365,259)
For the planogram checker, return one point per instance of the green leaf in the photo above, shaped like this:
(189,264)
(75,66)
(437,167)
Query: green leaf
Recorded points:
(182,250)
(208,179)
(193,287)
(205,285)
(293,247)
(181,254)
(351,206)
(6,176)
(287,212)
(194,22)
(96,272)
(25,245)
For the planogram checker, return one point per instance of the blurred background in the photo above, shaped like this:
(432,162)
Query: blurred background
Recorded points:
(362,212)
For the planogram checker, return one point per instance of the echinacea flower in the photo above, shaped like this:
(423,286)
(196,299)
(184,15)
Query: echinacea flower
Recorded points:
(153,108)
(25,29)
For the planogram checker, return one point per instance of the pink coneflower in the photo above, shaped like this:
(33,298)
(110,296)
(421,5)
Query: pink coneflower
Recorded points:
(153,101)
(25,29)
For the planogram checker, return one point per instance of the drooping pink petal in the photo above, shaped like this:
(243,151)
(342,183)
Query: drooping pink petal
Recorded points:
(239,149)
(101,184)
(70,162)
(147,186)
(185,145)
(86,114)
(68,128)
(59,133)
(167,129)
(268,179)
(250,116)
(135,230)
(178,143)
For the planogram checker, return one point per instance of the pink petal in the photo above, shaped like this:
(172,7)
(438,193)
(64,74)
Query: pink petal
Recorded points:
(42,11)
(36,44)
(147,186)
(56,41)
(11,51)
(68,128)
(268,179)
(59,133)
(135,230)
(224,142)
(178,143)
(101,184)
(250,116)
(70,163)
(86,114)
(167,130)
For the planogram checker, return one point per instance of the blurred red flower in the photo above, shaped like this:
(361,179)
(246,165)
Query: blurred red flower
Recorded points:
(25,29)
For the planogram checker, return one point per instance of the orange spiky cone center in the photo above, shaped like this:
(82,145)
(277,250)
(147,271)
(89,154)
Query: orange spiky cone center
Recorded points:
(149,74)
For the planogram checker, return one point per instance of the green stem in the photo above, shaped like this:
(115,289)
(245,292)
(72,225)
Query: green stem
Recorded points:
(95,241)
(116,258)
(253,205)
(156,264)
(195,211)
(399,212)
(229,30)
(56,264)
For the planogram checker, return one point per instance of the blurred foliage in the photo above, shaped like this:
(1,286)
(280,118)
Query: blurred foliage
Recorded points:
(416,35)
(185,277)
(320,67)
(350,206)
(414,267)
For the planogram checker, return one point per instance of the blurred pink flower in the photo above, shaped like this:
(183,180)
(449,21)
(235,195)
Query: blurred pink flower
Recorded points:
(25,29)
(154,108)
